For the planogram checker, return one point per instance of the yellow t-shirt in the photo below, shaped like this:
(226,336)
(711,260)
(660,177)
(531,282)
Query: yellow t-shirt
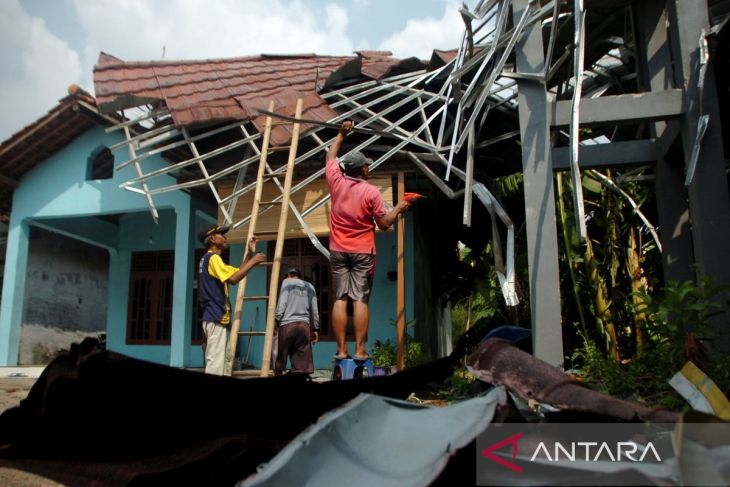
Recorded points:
(222,271)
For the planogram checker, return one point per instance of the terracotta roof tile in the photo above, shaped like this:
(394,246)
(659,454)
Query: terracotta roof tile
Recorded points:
(367,54)
(378,68)
(444,56)
(285,102)
(72,116)
(218,89)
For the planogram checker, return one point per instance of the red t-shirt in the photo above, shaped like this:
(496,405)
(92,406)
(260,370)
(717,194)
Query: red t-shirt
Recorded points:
(355,203)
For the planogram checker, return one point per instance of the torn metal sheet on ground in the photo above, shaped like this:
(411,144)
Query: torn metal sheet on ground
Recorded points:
(378,441)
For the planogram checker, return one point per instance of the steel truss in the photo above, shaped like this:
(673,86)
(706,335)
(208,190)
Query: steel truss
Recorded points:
(441,114)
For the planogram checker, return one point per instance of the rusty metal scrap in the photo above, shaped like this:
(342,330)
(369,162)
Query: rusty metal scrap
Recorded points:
(499,362)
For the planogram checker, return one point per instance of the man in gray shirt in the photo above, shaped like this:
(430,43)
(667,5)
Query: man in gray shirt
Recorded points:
(298,319)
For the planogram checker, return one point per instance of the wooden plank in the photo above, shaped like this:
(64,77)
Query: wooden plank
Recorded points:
(401,283)
(279,248)
(241,289)
(49,118)
(318,220)
(9,181)
(249,373)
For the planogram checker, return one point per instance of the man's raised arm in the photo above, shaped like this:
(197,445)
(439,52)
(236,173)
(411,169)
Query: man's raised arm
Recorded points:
(345,129)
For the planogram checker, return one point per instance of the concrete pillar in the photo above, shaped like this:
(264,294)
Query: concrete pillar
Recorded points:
(655,75)
(540,223)
(709,199)
(118,305)
(11,310)
(182,301)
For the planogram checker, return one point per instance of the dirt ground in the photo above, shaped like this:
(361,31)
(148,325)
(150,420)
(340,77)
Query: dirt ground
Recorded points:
(13,389)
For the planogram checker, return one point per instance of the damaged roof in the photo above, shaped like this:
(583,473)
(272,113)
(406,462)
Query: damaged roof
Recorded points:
(73,115)
(198,92)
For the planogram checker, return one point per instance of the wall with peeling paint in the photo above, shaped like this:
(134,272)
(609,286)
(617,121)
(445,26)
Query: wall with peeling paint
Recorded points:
(66,295)
(66,283)
(57,196)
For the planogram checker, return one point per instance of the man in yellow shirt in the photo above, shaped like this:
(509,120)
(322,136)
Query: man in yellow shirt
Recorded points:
(214,276)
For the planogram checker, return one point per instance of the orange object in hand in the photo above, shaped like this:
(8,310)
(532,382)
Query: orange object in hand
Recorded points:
(411,197)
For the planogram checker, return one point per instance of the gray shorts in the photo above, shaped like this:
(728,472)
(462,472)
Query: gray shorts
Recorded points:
(352,275)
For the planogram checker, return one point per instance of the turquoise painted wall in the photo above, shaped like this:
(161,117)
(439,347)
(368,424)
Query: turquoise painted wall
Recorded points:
(56,194)
(382,302)
(137,234)
(58,187)
(255,286)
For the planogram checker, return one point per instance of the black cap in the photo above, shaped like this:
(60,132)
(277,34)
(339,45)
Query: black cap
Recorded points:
(353,160)
(209,230)
(293,271)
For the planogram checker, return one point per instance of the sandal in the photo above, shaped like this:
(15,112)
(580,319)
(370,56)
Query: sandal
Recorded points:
(361,358)
(340,357)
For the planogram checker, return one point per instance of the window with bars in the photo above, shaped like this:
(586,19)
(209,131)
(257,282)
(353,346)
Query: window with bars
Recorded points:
(149,320)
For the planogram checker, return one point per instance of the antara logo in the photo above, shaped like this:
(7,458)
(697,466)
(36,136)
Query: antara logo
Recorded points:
(487,452)
(582,450)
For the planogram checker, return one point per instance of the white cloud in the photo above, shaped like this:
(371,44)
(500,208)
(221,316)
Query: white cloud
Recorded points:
(195,29)
(37,68)
(421,36)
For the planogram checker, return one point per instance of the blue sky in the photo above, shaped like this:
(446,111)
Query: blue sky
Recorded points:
(46,45)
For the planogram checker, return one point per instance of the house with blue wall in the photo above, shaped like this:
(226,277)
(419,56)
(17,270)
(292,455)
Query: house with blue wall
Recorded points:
(85,256)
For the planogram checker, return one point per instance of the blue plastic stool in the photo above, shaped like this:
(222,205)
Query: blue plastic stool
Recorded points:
(347,368)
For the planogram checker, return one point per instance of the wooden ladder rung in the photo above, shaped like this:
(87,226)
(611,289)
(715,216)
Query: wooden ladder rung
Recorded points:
(250,373)
(261,176)
(276,234)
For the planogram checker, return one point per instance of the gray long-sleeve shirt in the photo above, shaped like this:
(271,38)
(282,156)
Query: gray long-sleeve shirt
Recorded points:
(297,302)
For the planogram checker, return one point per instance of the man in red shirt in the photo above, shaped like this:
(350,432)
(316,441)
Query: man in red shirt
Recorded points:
(357,207)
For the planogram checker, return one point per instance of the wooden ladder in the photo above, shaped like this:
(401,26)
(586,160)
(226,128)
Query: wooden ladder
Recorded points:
(241,298)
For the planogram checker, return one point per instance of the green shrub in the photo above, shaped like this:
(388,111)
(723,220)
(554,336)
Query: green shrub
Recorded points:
(643,379)
(678,325)
(384,353)
(681,309)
